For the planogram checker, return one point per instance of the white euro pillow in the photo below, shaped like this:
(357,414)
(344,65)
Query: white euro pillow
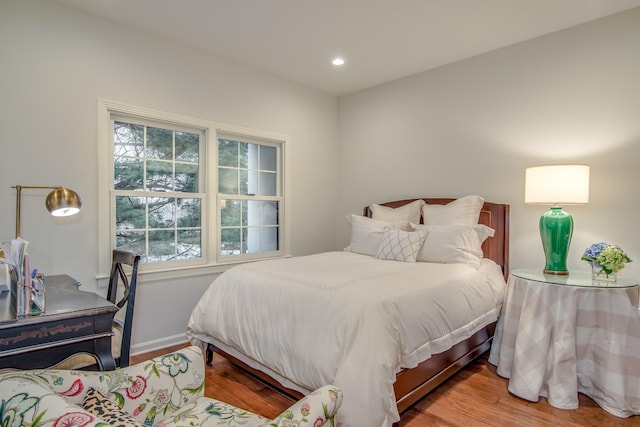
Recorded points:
(366,233)
(409,212)
(462,211)
(453,243)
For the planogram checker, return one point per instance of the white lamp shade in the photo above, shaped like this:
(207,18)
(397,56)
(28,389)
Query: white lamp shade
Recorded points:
(557,184)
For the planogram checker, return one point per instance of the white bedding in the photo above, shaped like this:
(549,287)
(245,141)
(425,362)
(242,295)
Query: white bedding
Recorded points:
(346,319)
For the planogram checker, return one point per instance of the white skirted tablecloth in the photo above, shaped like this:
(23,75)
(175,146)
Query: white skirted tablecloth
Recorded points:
(555,340)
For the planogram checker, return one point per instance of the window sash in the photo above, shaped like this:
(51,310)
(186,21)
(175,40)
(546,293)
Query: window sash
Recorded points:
(257,233)
(157,236)
(242,240)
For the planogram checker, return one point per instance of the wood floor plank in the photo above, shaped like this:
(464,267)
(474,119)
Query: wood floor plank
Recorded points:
(475,397)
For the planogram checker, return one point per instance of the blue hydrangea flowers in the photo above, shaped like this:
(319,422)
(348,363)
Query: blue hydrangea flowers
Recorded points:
(610,258)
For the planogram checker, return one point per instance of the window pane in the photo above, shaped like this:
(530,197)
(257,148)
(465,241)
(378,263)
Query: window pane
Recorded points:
(189,212)
(243,236)
(251,182)
(227,153)
(252,156)
(161,212)
(189,244)
(187,147)
(269,239)
(243,155)
(269,213)
(162,245)
(228,181)
(245,180)
(159,176)
(268,158)
(127,173)
(230,243)
(253,214)
(253,240)
(231,214)
(130,212)
(268,184)
(128,139)
(186,178)
(159,143)
(133,241)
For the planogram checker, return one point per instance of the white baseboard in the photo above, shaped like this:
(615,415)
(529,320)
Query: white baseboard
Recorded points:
(158,344)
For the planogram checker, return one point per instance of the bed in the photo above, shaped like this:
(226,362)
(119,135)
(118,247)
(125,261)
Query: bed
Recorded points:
(362,323)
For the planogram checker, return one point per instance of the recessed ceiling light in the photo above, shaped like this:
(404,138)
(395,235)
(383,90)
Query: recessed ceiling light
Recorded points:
(338,61)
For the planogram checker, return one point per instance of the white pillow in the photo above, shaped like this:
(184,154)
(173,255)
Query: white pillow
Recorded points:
(366,233)
(463,211)
(409,212)
(453,243)
(400,245)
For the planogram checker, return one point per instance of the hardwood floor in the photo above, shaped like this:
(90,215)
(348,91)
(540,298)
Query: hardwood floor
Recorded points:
(476,396)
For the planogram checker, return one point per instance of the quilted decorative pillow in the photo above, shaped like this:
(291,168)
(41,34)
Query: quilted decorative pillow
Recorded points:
(96,404)
(409,212)
(400,245)
(366,233)
(453,243)
(463,211)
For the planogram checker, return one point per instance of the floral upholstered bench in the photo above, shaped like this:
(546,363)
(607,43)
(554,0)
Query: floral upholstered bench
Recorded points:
(165,391)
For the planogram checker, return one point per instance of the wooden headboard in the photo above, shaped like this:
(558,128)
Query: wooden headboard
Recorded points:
(495,215)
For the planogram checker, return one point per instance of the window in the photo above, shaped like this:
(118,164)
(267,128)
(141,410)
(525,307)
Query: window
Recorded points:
(249,196)
(156,182)
(185,192)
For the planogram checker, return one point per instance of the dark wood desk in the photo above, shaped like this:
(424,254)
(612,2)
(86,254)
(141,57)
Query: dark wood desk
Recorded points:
(74,321)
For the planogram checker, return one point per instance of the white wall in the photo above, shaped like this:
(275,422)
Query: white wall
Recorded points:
(472,127)
(55,62)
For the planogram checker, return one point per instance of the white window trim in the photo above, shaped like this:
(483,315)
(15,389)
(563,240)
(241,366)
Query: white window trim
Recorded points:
(212,263)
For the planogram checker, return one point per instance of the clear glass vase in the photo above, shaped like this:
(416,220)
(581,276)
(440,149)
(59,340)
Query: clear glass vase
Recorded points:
(599,275)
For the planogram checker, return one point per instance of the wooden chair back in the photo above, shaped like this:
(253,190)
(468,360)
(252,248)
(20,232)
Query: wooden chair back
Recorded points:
(122,292)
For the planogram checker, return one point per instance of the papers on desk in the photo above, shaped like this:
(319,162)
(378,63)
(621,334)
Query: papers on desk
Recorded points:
(4,278)
(5,264)
(27,290)
(14,252)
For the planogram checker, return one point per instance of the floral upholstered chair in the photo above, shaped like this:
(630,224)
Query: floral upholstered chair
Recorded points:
(165,391)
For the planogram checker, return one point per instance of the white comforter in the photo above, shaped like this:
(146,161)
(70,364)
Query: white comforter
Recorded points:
(346,319)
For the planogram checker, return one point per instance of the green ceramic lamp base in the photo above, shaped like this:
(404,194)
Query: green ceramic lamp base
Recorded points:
(556,229)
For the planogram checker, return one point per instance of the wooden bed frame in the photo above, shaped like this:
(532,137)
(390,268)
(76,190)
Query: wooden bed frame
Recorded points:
(413,384)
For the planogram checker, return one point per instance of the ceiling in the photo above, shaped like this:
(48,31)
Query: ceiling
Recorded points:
(380,40)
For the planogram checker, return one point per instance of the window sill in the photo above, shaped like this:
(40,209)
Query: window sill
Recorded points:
(149,276)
